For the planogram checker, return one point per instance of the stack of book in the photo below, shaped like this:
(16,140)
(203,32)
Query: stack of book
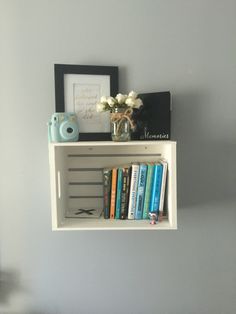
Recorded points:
(133,191)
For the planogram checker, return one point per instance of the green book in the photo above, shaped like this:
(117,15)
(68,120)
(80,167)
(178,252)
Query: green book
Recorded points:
(147,194)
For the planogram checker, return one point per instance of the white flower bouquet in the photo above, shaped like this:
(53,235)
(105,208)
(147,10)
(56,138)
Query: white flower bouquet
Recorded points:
(129,101)
(121,108)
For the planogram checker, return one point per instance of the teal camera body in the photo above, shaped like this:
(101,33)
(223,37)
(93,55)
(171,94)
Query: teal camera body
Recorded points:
(63,127)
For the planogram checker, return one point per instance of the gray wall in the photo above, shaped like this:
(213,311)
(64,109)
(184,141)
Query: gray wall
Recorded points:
(185,46)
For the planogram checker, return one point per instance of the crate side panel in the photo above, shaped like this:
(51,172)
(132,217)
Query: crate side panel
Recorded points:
(61,183)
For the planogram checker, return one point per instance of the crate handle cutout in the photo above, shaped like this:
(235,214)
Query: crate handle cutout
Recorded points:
(59,184)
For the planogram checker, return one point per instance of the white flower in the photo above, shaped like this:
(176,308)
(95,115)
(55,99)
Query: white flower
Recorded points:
(121,98)
(120,101)
(111,101)
(132,94)
(130,102)
(103,100)
(100,107)
(138,103)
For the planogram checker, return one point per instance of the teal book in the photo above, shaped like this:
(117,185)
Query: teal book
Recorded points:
(140,191)
(118,193)
(156,188)
(147,192)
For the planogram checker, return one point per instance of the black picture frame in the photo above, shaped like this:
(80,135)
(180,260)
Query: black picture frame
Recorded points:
(153,121)
(84,71)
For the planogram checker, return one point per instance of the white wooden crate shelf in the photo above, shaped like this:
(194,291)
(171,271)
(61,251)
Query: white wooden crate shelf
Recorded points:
(76,181)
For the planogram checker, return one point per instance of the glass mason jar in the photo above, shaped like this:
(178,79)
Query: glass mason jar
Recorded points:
(120,126)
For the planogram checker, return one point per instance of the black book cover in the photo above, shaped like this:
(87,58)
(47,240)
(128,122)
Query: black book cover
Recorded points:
(154,117)
(106,192)
(125,193)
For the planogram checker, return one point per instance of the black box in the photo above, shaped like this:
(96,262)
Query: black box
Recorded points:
(153,118)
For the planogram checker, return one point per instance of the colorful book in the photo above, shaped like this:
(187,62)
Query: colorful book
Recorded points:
(125,193)
(140,191)
(133,190)
(118,193)
(156,188)
(163,188)
(106,192)
(113,193)
(147,193)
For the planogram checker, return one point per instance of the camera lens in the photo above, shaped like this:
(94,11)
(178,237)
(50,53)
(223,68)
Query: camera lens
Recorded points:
(69,130)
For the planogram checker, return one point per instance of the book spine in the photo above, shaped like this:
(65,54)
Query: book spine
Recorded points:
(113,193)
(106,192)
(124,193)
(163,188)
(147,192)
(156,187)
(118,193)
(140,191)
(133,191)
(127,192)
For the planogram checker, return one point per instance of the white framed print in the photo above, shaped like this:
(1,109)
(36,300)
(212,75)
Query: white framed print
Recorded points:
(78,88)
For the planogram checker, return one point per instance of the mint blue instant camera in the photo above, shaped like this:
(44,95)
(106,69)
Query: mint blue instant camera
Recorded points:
(63,127)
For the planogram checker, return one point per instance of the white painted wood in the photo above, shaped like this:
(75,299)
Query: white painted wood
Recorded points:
(112,224)
(76,174)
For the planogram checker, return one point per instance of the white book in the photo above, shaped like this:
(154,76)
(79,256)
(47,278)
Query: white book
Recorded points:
(133,190)
(163,188)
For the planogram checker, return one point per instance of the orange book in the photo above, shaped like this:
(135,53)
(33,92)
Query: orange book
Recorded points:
(113,193)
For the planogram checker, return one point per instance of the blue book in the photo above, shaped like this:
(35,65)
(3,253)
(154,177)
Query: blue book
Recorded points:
(118,193)
(147,192)
(140,191)
(156,188)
